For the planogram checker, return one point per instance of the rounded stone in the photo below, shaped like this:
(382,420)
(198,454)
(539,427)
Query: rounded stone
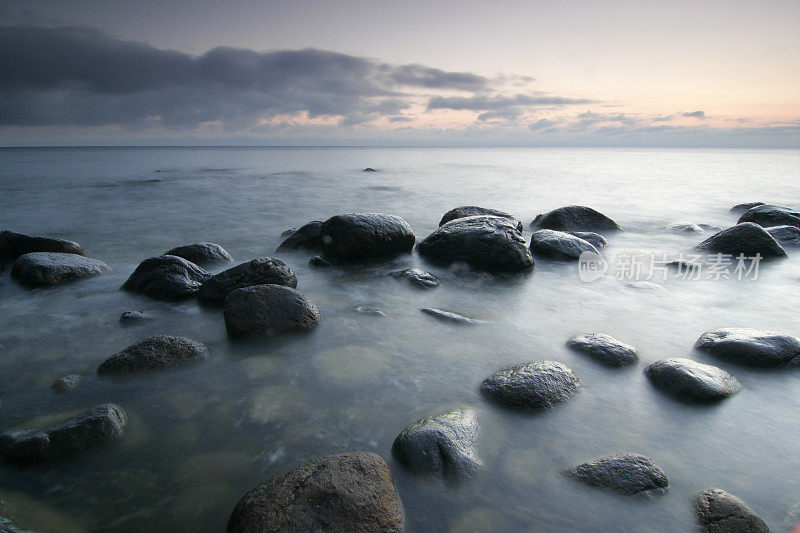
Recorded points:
(575,218)
(474,210)
(48,268)
(536,385)
(263,271)
(604,349)
(308,236)
(356,237)
(627,473)
(266,310)
(417,277)
(721,512)
(202,253)
(785,235)
(13,245)
(689,380)
(166,277)
(750,347)
(744,238)
(154,353)
(559,245)
(771,215)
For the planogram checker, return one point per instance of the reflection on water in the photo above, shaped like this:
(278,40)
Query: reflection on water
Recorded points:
(199,437)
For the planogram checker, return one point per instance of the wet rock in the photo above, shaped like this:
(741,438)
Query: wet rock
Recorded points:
(595,239)
(559,245)
(721,512)
(263,271)
(48,268)
(684,228)
(154,353)
(771,215)
(89,429)
(445,444)
(473,210)
(369,169)
(166,277)
(319,262)
(627,473)
(288,232)
(745,238)
(308,236)
(785,235)
(66,383)
(448,316)
(750,347)
(370,310)
(537,385)
(485,243)
(348,492)
(202,253)
(741,208)
(604,349)
(13,245)
(710,227)
(130,318)
(417,277)
(575,218)
(8,526)
(365,236)
(266,310)
(689,380)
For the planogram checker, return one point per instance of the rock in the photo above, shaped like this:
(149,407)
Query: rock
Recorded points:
(447,316)
(485,243)
(537,385)
(365,236)
(741,208)
(771,215)
(256,272)
(785,235)
(202,253)
(153,353)
(89,429)
(288,232)
(351,492)
(684,228)
(745,238)
(627,473)
(166,277)
(604,349)
(67,383)
(689,380)
(369,310)
(48,268)
(575,218)
(369,169)
(721,512)
(308,236)
(129,318)
(417,277)
(750,347)
(13,245)
(8,526)
(445,444)
(473,210)
(266,310)
(319,262)
(710,227)
(559,245)
(595,239)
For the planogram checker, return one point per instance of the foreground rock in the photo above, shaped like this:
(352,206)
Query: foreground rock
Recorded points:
(154,353)
(358,237)
(89,429)
(66,383)
(595,239)
(682,227)
(351,492)
(627,473)
(485,243)
(689,380)
(13,245)
(444,445)
(166,277)
(473,210)
(308,237)
(417,277)
(448,316)
(559,245)
(130,318)
(746,238)
(721,512)
(256,272)
(741,208)
(575,218)
(750,347)
(604,349)
(785,235)
(771,215)
(48,268)
(267,310)
(202,253)
(537,385)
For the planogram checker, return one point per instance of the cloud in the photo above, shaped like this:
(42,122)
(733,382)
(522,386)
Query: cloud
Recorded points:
(487,103)
(695,114)
(542,124)
(401,119)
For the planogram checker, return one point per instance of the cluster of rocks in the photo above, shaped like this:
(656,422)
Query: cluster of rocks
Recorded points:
(763,229)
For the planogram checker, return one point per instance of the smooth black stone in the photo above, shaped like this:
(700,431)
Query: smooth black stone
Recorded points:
(13,245)
(417,277)
(263,271)
(448,316)
(741,208)
(771,215)
(473,210)
(536,385)
(785,235)
(750,347)
(721,512)
(627,473)
(575,218)
(267,310)
(595,239)
(166,277)
(154,353)
(689,380)
(357,237)
(49,268)
(745,238)
(202,253)
(559,245)
(308,236)
(604,349)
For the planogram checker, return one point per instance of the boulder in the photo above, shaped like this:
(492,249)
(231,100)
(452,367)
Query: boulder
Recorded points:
(266,310)
(595,239)
(575,218)
(627,473)
(89,429)
(721,512)
(745,238)
(356,237)
(154,353)
(48,268)
(256,272)
(683,227)
(13,245)
(473,210)
(559,245)
(785,235)
(741,208)
(202,253)
(604,349)
(750,347)
(308,236)
(537,385)
(448,316)
(485,243)
(443,445)
(417,277)
(166,277)
(689,380)
(66,383)
(351,492)
(771,215)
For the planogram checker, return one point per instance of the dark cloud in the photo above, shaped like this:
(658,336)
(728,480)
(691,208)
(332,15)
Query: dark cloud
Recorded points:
(542,124)
(401,119)
(503,115)
(695,114)
(489,103)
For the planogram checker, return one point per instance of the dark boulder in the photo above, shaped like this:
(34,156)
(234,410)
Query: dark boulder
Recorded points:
(266,310)
(473,210)
(263,271)
(154,353)
(785,235)
(202,253)
(627,473)
(485,243)
(559,245)
(575,218)
(48,268)
(537,385)
(750,347)
(448,316)
(771,215)
(13,245)
(356,237)
(308,236)
(66,383)
(745,238)
(604,349)
(689,380)
(595,239)
(351,492)
(741,208)
(417,277)
(166,277)
(721,512)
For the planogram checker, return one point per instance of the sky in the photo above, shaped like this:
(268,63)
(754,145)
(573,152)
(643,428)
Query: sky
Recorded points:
(439,72)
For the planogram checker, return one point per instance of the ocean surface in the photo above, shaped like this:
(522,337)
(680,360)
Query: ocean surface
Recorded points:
(201,436)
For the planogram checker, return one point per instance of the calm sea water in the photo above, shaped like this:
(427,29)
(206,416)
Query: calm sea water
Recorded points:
(200,437)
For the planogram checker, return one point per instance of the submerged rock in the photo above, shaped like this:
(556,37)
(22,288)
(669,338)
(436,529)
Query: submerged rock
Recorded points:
(202,253)
(319,262)
(48,268)
(771,215)
(154,353)
(369,169)
(750,347)
(129,318)
(785,235)
(448,316)
(604,349)
(689,380)
(347,492)
(537,385)
(166,277)
(575,218)
(721,512)
(595,239)
(741,208)
(308,236)
(559,245)
(683,227)
(417,277)
(66,383)
(370,310)
(13,245)
(358,237)
(627,473)
(89,429)
(266,310)
(473,210)
(745,238)
(263,271)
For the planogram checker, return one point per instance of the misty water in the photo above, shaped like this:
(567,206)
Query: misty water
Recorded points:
(200,436)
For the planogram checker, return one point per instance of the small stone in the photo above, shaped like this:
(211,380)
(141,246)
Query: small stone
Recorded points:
(129,318)
(689,380)
(319,262)
(604,349)
(536,385)
(750,347)
(66,383)
(721,512)
(202,253)
(628,473)
(417,277)
(448,316)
